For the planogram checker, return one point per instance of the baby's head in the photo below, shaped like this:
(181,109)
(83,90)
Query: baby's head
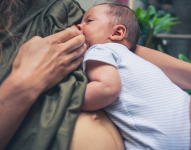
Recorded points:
(107,23)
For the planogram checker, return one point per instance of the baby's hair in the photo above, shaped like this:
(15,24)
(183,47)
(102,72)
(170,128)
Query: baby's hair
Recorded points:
(122,14)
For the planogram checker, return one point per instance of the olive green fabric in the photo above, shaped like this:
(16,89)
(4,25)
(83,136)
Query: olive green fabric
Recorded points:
(50,122)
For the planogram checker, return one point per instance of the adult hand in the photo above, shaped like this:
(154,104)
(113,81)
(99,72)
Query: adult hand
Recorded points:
(46,61)
(40,64)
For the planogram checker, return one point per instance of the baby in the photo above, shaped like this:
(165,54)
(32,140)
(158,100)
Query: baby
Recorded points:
(150,111)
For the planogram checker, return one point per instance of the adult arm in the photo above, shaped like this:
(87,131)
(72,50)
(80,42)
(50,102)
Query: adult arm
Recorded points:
(105,85)
(40,64)
(177,70)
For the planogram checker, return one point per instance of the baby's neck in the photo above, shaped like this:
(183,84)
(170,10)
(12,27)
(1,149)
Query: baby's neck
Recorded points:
(123,42)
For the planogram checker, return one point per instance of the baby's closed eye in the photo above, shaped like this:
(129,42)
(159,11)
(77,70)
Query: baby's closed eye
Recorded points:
(89,20)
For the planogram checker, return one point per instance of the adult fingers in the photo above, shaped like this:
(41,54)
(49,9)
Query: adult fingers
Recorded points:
(74,64)
(76,53)
(71,44)
(64,36)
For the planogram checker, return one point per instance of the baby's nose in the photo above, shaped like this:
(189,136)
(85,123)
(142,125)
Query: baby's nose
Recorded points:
(80,27)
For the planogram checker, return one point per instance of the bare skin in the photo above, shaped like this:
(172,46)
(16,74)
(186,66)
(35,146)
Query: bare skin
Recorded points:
(95,131)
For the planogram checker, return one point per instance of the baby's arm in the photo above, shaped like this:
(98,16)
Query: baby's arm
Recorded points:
(105,85)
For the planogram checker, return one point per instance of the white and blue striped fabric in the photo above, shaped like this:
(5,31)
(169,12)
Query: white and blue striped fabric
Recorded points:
(151,112)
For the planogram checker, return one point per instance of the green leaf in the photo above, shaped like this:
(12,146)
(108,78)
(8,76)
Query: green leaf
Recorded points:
(159,29)
(144,14)
(152,10)
(147,15)
(156,20)
(151,20)
(189,92)
(138,12)
(144,22)
(183,57)
(167,16)
(164,24)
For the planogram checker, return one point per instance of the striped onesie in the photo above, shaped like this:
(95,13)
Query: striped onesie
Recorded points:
(152,113)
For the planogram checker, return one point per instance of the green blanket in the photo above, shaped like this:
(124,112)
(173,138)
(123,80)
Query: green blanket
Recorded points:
(50,122)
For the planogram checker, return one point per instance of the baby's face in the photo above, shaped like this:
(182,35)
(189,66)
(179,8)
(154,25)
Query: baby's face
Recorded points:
(96,26)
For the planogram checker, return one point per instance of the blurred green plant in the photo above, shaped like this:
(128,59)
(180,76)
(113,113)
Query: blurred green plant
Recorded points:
(151,22)
(184,58)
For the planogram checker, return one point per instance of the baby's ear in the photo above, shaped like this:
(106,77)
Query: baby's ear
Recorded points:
(119,33)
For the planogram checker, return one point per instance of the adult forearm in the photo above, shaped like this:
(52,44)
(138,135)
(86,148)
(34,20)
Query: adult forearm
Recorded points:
(16,98)
(178,71)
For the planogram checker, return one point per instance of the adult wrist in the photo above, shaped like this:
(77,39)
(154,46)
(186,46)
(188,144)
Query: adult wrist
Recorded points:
(21,89)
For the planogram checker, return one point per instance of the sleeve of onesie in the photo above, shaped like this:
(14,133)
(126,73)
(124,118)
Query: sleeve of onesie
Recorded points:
(100,53)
